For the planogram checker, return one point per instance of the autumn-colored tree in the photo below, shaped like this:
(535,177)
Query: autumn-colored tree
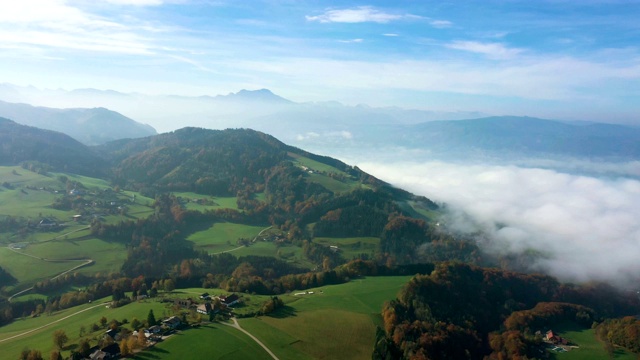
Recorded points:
(124,348)
(142,339)
(60,338)
(55,355)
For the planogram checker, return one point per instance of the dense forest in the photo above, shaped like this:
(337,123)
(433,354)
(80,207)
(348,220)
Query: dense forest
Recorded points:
(460,311)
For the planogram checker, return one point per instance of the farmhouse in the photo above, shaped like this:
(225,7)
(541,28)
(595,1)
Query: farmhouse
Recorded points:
(185,303)
(555,338)
(109,352)
(172,322)
(230,300)
(204,308)
(155,329)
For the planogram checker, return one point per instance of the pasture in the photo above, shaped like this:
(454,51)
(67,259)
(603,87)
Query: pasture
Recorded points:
(589,345)
(351,247)
(223,236)
(336,321)
(211,341)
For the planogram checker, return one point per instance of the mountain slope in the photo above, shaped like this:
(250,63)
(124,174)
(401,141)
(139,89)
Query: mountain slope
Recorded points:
(209,161)
(89,126)
(21,143)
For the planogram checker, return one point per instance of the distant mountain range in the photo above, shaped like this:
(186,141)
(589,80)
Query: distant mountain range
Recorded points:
(89,126)
(353,132)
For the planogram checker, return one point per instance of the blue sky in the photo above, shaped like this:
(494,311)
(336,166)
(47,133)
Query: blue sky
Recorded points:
(556,59)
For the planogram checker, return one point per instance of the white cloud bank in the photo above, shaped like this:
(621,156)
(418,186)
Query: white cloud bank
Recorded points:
(586,228)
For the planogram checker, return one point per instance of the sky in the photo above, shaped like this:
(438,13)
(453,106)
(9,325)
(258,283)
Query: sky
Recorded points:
(573,60)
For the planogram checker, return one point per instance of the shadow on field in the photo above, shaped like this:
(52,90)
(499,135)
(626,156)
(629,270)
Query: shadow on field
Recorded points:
(283,312)
(151,353)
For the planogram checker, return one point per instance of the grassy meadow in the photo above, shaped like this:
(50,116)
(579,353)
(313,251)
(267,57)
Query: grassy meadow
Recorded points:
(589,345)
(211,341)
(336,321)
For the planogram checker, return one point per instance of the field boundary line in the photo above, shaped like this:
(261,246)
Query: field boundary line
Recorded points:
(53,322)
(237,326)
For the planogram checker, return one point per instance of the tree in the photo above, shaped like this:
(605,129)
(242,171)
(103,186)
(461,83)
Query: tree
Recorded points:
(142,339)
(55,355)
(27,354)
(84,347)
(60,338)
(103,321)
(135,324)
(151,319)
(169,285)
(124,348)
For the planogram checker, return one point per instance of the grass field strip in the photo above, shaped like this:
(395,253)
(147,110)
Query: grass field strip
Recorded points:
(53,322)
(85,262)
(237,326)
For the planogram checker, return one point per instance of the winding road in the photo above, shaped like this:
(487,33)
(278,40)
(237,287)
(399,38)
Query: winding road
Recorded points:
(85,262)
(53,322)
(237,326)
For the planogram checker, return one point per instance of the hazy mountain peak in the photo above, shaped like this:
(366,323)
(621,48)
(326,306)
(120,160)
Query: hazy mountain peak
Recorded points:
(264,95)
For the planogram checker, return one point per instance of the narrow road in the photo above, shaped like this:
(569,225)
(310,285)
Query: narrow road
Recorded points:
(240,247)
(237,326)
(85,262)
(51,323)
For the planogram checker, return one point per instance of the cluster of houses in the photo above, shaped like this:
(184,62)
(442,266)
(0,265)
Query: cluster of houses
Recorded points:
(153,333)
(212,306)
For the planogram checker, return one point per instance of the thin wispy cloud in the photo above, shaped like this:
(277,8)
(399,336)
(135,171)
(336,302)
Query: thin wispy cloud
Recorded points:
(358,15)
(440,24)
(491,50)
(390,35)
(57,25)
(351,41)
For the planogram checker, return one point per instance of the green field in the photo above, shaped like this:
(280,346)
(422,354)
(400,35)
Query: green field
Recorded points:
(315,165)
(213,202)
(351,247)
(335,322)
(589,345)
(212,341)
(29,270)
(223,236)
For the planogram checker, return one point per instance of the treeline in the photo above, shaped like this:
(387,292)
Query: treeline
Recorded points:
(461,311)
(623,332)
(6,278)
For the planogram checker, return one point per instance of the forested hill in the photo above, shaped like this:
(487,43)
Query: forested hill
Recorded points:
(212,162)
(44,150)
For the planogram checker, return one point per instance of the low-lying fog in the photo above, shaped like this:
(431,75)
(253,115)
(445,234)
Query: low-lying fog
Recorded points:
(585,227)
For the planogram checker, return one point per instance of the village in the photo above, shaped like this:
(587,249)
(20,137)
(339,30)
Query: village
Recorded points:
(119,341)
